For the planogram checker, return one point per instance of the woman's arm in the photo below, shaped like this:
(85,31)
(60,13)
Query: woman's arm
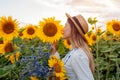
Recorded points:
(54,50)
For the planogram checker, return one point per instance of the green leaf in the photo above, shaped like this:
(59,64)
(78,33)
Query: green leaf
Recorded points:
(112,56)
(6,70)
(92,20)
(106,50)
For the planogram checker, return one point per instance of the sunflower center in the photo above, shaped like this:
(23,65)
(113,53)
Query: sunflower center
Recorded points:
(99,30)
(30,31)
(116,26)
(50,29)
(8,47)
(20,34)
(57,78)
(89,34)
(57,68)
(1,41)
(8,28)
(94,38)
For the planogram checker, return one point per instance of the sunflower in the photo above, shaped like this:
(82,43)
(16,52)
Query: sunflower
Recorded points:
(67,44)
(17,54)
(113,27)
(93,38)
(13,57)
(1,41)
(20,32)
(50,30)
(87,36)
(8,27)
(107,36)
(58,66)
(33,78)
(6,47)
(29,32)
(99,30)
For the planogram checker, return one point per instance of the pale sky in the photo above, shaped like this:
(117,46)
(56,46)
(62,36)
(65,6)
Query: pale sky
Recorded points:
(32,11)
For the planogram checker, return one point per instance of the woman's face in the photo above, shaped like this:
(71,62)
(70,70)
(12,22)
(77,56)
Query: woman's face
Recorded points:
(67,31)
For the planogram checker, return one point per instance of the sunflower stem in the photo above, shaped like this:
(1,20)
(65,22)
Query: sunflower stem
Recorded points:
(98,72)
(108,67)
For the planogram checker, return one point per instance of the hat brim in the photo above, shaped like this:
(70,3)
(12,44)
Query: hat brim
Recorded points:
(76,25)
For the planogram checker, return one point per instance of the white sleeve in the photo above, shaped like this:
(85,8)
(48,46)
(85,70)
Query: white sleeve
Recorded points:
(80,65)
(57,54)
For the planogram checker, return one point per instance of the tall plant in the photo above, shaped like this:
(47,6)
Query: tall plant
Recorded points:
(106,52)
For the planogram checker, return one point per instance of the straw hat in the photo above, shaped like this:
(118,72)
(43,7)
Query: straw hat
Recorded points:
(80,24)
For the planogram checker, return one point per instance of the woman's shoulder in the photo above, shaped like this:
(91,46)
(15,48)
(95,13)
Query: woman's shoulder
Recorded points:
(79,53)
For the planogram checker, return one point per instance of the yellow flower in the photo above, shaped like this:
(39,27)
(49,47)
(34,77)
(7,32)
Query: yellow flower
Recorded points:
(99,30)
(1,45)
(33,78)
(20,32)
(6,47)
(12,58)
(113,27)
(106,36)
(50,30)
(30,31)
(17,56)
(87,36)
(67,44)
(58,66)
(8,27)
(1,42)
(91,38)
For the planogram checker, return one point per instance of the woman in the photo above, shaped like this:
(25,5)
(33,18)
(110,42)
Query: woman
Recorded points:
(78,62)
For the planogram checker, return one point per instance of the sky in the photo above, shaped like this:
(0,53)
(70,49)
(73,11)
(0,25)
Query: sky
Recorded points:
(33,11)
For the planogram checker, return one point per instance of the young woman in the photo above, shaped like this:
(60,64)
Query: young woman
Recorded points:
(78,62)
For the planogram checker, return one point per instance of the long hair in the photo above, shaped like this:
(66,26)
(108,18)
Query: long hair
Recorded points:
(79,42)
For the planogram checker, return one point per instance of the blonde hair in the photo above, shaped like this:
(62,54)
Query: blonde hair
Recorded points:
(79,42)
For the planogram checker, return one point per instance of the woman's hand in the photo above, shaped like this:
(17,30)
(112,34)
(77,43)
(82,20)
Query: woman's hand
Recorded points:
(53,46)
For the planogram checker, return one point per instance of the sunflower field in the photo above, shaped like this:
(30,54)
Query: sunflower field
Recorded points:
(25,50)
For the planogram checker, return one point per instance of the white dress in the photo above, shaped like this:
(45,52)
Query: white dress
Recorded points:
(77,65)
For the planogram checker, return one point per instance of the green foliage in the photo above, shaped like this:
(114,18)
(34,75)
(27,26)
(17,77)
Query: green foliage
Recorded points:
(108,61)
(106,55)
(62,50)
(33,52)
(92,20)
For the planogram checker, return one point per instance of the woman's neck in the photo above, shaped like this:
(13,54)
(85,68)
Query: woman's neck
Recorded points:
(72,45)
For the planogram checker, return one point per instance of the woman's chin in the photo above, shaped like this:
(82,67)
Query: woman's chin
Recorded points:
(64,37)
